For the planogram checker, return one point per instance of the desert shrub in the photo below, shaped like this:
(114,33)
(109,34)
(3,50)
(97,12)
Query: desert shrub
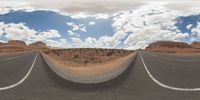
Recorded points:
(86,61)
(118,51)
(61,51)
(76,56)
(96,50)
(109,53)
(92,58)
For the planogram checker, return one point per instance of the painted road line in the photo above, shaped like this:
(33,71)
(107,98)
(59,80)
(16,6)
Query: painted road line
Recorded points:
(10,58)
(23,79)
(164,85)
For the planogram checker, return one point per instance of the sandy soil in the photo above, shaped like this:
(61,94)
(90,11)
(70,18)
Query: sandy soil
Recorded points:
(85,57)
(93,69)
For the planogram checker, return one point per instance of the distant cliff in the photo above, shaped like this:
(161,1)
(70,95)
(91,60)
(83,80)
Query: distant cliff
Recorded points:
(38,45)
(17,43)
(168,44)
(196,45)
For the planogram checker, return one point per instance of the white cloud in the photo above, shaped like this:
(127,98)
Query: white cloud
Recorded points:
(136,23)
(97,6)
(4,10)
(18,32)
(71,33)
(151,34)
(146,25)
(82,15)
(2,26)
(61,43)
(75,27)
(137,28)
(195,33)
(77,42)
(189,26)
(47,35)
(21,32)
(92,23)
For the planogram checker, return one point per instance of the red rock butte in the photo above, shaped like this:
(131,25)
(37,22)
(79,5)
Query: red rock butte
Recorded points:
(38,45)
(17,45)
(196,45)
(168,44)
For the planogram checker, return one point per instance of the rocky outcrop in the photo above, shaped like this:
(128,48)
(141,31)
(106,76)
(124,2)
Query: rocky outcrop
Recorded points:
(13,45)
(17,43)
(168,44)
(1,44)
(196,45)
(38,45)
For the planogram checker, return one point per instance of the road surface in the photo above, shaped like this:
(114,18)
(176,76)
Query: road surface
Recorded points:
(145,79)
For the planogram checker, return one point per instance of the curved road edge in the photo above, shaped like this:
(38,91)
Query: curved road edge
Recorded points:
(89,79)
(162,84)
(23,79)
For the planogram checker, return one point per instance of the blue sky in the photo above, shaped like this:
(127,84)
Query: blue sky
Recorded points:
(45,20)
(120,26)
(184,21)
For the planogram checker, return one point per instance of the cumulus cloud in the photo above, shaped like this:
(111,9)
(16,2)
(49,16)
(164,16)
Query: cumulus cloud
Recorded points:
(97,6)
(2,26)
(60,43)
(75,27)
(90,42)
(138,28)
(19,31)
(195,36)
(146,25)
(136,23)
(47,35)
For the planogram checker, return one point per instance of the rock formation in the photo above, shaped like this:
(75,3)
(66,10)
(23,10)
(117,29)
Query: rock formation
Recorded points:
(168,44)
(17,43)
(195,44)
(38,45)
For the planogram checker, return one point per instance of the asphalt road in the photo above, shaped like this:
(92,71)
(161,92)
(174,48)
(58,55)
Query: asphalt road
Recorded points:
(134,84)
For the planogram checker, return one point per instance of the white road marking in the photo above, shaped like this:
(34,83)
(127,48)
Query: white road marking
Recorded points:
(23,79)
(10,58)
(173,58)
(164,85)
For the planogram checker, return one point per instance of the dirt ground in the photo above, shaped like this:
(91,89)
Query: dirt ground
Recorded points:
(86,57)
(92,68)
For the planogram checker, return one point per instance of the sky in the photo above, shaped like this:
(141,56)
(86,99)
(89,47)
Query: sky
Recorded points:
(126,24)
